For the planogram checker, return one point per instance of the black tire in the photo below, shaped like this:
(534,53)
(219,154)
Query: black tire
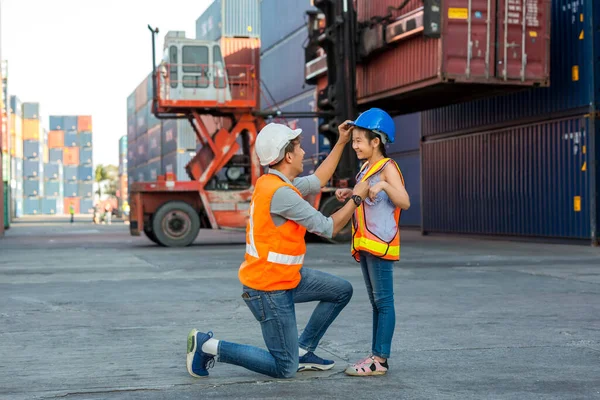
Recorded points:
(330,206)
(176,224)
(149,233)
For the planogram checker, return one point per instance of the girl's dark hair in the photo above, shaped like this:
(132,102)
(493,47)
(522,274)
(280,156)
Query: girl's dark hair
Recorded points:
(372,135)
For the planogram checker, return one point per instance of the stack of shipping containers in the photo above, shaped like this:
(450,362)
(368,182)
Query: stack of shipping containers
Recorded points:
(5,158)
(71,144)
(123,178)
(521,164)
(16,152)
(33,159)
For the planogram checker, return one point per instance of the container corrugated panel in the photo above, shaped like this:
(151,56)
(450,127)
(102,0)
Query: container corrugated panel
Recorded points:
(152,120)
(123,145)
(57,123)
(32,206)
(141,94)
(85,156)
(31,110)
(71,189)
(283,83)
(154,169)
(17,206)
(71,173)
(84,123)
(525,181)
(410,165)
(33,168)
(31,129)
(70,122)
(131,104)
(141,145)
(52,205)
(33,187)
(54,188)
(71,155)
(32,149)
(408,133)
(71,138)
(53,171)
(56,139)
(16,168)
(55,155)
(16,107)
(131,128)
(571,77)
(141,126)
(86,173)
(229,18)
(87,206)
(154,142)
(290,17)
(85,139)
(85,189)
(177,135)
(176,162)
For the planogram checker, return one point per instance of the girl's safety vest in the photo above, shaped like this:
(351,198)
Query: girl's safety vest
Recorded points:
(274,254)
(365,240)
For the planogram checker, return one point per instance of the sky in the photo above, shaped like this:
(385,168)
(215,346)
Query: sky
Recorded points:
(84,57)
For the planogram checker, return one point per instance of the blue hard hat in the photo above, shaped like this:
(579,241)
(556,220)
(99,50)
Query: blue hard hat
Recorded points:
(378,121)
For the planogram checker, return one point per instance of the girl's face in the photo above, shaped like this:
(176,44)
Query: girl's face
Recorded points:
(361,144)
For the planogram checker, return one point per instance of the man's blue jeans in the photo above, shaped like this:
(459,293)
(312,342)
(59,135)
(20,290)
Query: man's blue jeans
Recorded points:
(277,316)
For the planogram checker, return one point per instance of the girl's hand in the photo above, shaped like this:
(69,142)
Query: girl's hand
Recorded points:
(375,189)
(343,194)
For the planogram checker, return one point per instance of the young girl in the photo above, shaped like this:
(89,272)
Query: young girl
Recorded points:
(376,236)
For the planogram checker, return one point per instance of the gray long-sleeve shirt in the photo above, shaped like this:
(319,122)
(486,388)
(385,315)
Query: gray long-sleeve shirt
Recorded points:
(287,205)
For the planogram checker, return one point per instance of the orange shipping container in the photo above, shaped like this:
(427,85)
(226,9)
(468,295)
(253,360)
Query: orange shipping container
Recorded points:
(56,139)
(31,129)
(71,156)
(84,123)
(16,146)
(74,201)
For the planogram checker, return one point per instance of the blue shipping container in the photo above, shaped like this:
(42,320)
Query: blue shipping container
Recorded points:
(86,173)
(131,104)
(408,133)
(85,156)
(32,206)
(123,145)
(229,18)
(15,105)
(53,171)
(85,189)
(70,122)
(18,206)
(33,168)
(154,169)
(531,180)
(16,168)
(85,139)
(55,155)
(31,110)
(71,139)
(54,188)
(56,123)
(283,83)
(141,150)
(131,129)
(152,120)
(141,126)
(410,165)
(52,205)
(33,187)
(71,189)
(176,162)
(32,149)
(177,135)
(71,173)
(154,142)
(571,80)
(290,17)
(86,206)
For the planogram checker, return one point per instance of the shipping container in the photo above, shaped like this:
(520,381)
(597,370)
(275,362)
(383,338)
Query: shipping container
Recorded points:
(33,168)
(142,121)
(55,155)
(32,149)
(142,94)
(32,206)
(45,154)
(33,187)
(53,171)
(6,167)
(86,173)
(571,75)
(177,135)
(52,205)
(85,156)
(72,201)
(16,168)
(85,189)
(131,128)
(123,166)
(408,133)
(56,139)
(54,188)
(16,149)
(71,139)
(152,120)
(85,139)
(468,60)
(57,123)
(154,142)
(531,180)
(84,123)
(141,155)
(70,122)
(131,104)
(280,84)
(123,145)
(290,17)
(71,173)
(6,201)
(32,129)
(154,169)
(31,110)
(86,206)
(16,107)
(175,163)
(17,204)
(71,156)
(229,18)
(71,189)
(410,165)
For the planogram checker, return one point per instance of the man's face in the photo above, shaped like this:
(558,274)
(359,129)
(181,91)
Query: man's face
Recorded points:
(297,158)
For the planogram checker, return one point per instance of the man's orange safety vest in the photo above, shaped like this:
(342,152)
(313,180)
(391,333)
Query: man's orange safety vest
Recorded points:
(274,254)
(365,240)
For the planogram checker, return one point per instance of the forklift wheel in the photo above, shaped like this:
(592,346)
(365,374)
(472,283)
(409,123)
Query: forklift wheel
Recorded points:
(149,234)
(175,224)
(330,206)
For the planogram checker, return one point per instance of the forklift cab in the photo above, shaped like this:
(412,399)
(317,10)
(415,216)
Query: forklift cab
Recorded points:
(193,70)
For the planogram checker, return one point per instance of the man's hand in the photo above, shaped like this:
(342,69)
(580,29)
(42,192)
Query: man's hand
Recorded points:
(345,130)
(343,194)
(361,189)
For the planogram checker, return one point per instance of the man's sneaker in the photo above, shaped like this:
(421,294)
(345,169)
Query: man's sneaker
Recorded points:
(368,367)
(311,362)
(198,362)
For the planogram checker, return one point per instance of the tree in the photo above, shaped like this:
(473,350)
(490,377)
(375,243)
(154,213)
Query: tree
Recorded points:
(108,176)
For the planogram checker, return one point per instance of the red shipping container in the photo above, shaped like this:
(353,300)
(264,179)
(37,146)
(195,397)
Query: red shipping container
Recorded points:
(466,62)
(56,139)
(71,156)
(84,123)
(237,54)
(74,201)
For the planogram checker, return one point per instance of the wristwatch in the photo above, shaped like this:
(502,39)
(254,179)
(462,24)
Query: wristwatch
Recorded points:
(357,199)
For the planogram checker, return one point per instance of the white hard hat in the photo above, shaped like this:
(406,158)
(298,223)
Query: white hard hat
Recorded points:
(271,142)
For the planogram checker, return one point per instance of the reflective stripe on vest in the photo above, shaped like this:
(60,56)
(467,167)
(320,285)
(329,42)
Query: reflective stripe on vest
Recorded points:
(362,238)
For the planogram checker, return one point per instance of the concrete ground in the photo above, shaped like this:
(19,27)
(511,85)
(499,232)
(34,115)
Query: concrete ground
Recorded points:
(89,312)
